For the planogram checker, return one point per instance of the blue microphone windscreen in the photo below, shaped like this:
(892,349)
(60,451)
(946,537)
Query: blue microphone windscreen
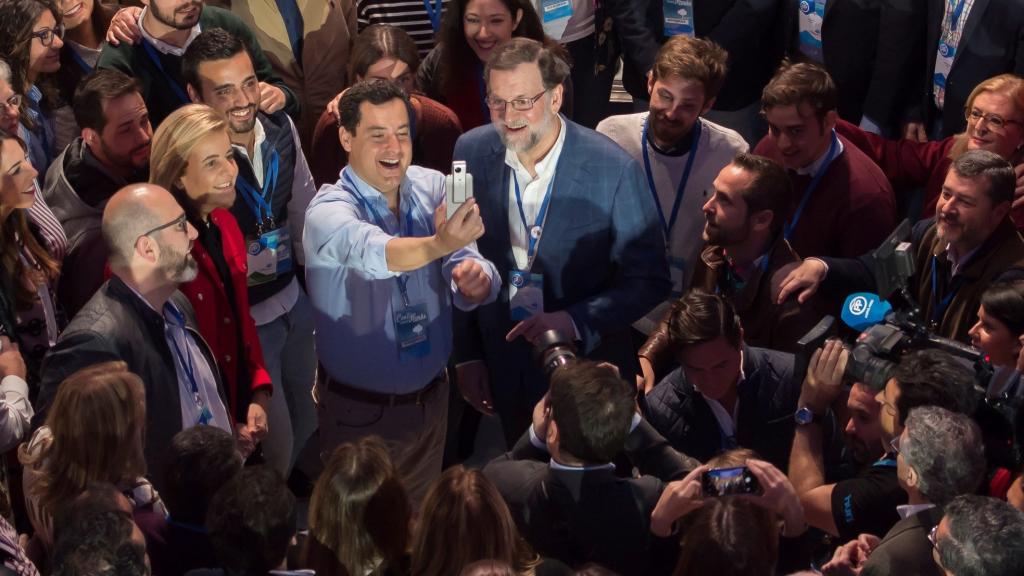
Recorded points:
(863,310)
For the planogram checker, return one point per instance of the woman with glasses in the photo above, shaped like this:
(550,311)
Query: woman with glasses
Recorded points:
(995,122)
(383,52)
(193,158)
(453,72)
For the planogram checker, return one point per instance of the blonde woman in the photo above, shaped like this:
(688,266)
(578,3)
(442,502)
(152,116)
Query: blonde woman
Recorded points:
(193,158)
(93,434)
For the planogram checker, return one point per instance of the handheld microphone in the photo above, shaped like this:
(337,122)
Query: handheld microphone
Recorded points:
(863,310)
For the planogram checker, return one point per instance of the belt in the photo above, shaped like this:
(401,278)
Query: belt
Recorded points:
(368,397)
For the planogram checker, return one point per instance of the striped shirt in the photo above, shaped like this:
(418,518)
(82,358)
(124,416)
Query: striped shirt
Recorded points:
(409,15)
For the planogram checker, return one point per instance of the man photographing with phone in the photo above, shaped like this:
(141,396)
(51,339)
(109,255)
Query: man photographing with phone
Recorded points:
(384,266)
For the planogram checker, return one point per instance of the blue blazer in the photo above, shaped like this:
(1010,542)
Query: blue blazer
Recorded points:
(602,255)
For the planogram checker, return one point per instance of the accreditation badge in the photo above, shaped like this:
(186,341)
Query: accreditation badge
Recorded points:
(944,62)
(555,15)
(678,17)
(411,331)
(526,294)
(268,256)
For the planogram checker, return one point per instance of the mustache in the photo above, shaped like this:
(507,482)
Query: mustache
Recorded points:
(189,6)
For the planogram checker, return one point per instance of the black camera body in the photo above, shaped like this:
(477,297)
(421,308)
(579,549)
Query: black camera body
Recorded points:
(551,350)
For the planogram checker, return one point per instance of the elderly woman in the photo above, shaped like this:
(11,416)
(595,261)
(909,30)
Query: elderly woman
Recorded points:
(995,122)
(193,158)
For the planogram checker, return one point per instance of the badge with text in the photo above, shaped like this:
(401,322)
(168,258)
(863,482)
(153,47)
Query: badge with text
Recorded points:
(677,269)
(678,17)
(526,294)
(269,256)
(555,14)
(411,331)
(812,13)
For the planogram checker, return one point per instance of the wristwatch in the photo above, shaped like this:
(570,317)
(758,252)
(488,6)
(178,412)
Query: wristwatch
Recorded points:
(805,416)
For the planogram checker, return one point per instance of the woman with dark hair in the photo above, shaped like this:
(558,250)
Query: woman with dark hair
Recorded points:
(358,515)
(192,157)
(453,72)
(1000,323)
(463,520)
(387,53)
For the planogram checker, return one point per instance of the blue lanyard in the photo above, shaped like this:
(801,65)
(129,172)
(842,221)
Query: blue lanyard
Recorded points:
(261,201)
(681,190)
(939,307)
(791,225)
(80,61)
(434,13)
(533,232)
(186,363)
(954,17)
(155,58)
(350,185)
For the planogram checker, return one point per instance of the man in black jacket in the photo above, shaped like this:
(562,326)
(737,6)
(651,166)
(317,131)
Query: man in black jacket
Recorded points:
(560,483)
(140,318)
(725,394)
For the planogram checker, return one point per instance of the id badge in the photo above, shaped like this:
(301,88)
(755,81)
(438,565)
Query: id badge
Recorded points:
(944,63)
(678,17)
(812,13)
(283,242)
(261,258)
(555,14)
(677,269)
(526,296)
(411,331)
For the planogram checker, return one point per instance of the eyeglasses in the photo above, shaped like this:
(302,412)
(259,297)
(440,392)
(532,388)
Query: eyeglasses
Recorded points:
(895,445)
(14,102)
(179,224)
(994,121)
(521,104)
(46,34)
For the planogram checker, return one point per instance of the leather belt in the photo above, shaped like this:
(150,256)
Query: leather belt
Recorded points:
(391,400)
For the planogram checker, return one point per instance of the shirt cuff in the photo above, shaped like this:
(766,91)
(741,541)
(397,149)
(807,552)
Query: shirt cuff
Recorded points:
(14,384)
(823,263)
(537,442)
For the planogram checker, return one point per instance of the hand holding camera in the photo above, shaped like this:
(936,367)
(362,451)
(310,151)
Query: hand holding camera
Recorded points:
(677,500)
(824,380)
(463,227)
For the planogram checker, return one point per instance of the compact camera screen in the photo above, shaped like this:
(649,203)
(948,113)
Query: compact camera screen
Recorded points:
(728,481)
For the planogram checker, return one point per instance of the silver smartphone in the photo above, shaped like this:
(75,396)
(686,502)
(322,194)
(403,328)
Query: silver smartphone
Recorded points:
(458,186)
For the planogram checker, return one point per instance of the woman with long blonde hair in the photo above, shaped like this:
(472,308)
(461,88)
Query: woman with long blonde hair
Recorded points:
(192,156)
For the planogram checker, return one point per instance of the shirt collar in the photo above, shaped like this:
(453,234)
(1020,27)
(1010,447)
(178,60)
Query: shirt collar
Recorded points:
(169,307)
(958,260)
(564,467)
(907,510)
(725,420)
(164,47)
(812,168)
(257,144)
(547,164)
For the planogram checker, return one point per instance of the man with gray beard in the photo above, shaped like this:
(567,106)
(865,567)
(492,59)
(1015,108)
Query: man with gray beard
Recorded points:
(139,317)
(570,227)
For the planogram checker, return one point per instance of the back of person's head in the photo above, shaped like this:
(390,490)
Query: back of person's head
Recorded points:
(933,378)
(771,189)
(375,92)
(96,421)
(464,519)
(251,521)
(211,44)
(94,535)
(945,451)
(981,536)
(990,169)
(199,461)
(592,569)
(729,536)
(800,84)
(699,316)
(379,41)
(592,408)
(95,91)
(488,568)
(553,68)
(692,58)
(359,512)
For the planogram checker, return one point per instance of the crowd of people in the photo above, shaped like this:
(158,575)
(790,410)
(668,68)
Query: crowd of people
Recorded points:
(266,266)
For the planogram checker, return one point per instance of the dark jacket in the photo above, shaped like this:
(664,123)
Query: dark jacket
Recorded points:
(1001,256)
(117,325)
(767,400)
(579,516)
(906,548)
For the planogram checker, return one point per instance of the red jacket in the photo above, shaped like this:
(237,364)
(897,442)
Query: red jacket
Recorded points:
(216,318)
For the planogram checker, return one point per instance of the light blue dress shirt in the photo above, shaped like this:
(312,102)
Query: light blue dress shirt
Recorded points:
(354,295)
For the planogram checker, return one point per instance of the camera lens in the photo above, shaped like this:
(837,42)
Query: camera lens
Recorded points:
(458,169)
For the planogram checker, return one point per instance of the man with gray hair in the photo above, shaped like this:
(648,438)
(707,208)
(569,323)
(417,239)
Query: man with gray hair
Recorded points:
(940,455)
(968,244)
(140,318)
(569,224)
(980,536)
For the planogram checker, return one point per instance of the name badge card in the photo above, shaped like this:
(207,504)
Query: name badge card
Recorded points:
(677,269)
(678,17)
(268,256)
(526,294)
(812,13)
(411,331)
(555,14)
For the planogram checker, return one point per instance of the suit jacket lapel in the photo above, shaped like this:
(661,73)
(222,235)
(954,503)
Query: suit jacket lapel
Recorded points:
(492,194)
(566,188)
(973,19)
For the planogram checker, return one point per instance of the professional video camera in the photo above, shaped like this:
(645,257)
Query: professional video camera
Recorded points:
(551,350)
(885,332)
